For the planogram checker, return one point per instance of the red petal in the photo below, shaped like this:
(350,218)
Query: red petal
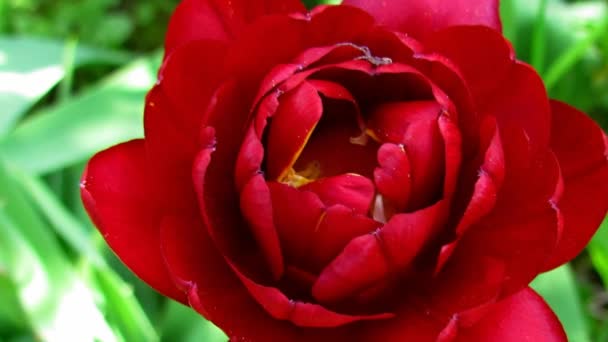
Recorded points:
(350,190)
(338,226)
(218,19)
(410,324)
(215,292)
(358,267)
(332,90)
(256,206)
(369,258)
(250,158)
(296,216)
(294,122)
(487,185)
(390,122)
(174,114)
(213,176)
(118,195)
(393,177)
(337,24)
(515,93)
(448,77)
(468,284)
(425,149)
(477,52)
(452,141)
(523,316)
(169,151)
(522,229)
(189,77)
(423,17)
(579,146)
(333,133)
(522,101)
(257,51)
(299,313)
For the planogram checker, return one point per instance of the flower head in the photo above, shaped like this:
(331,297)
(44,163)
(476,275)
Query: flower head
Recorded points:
(373,171)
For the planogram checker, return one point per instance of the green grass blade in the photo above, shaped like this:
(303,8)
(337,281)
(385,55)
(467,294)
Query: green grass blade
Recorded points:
(558,287)
(182,323)
(539,39)
(63,135)
(12,317)
(569,58)
(30,67)
(66,226)
(50,290)
(121,307)
(598,250)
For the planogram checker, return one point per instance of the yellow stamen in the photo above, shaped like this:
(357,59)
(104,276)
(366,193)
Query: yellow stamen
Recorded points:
(298,179)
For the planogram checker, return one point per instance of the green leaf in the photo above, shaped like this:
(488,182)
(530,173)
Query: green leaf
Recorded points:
(50,291)
(107,114)
(598,250)
(12,317)
(30,67)
(67,227)
(121,307)
(558,287)
(568,48)
(574,54)
(182,323)
(539,42)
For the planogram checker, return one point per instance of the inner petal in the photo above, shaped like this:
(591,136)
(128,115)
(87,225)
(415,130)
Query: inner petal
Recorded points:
(350,190)
(414,126)
(390,121)
(292,125)
(332,147)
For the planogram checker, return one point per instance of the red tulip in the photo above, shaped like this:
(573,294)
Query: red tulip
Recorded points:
(374,171)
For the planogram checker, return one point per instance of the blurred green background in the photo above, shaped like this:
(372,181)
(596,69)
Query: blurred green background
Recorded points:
(73,76)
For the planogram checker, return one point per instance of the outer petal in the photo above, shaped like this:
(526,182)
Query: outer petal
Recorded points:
(489,178)
(173,116)
(219,19)
(410,324)
(522,229)
(256,207)
(192,257)
(521,317)
(477,52)
(301,314)
(118,197)
(422,17)
(213,177)
(521,100)
(580,148)
(515,94)
(256,52)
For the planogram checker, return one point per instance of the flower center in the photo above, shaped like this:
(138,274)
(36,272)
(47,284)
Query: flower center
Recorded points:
(303,177)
